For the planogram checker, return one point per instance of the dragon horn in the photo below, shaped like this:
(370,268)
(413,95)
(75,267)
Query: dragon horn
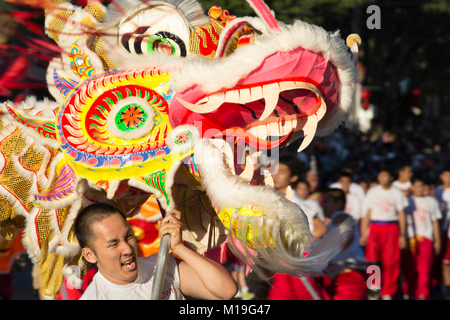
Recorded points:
(263,11)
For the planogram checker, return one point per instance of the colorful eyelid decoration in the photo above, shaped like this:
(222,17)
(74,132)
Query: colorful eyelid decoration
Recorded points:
(135,117)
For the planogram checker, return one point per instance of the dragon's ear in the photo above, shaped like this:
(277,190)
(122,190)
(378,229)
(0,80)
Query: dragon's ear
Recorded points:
(77,63)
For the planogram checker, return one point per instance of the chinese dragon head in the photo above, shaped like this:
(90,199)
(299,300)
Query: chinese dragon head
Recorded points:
(159,98)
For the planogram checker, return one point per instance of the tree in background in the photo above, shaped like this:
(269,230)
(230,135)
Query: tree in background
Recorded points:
(407,55)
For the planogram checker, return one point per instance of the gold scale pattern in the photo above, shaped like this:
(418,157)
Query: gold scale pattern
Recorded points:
(10,179)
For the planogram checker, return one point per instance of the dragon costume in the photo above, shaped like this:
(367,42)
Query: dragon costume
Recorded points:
(159,98)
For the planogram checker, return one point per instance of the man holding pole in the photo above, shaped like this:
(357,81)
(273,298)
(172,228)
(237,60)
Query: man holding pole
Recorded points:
(107,240)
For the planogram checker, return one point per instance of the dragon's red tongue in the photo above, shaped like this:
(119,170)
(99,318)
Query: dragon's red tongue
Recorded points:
(252,140)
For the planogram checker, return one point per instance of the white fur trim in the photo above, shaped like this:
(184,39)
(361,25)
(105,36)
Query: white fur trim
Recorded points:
(282,220)
(26,131)
(71,249)
(30,238)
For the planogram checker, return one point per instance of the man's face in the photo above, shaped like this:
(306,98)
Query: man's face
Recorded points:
(345,184)
(302,190)
(418,189)
(330,206)
(426,190)
(312,179)
(384,178)
(406,173)
(114,250)
(445,177)
(282,179)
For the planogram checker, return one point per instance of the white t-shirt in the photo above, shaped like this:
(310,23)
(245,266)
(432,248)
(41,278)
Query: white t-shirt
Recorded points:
(311,208)
(384,204)
(353,206)
(401,185)
(423,212)
(102,289)
(443,197)
(354,189)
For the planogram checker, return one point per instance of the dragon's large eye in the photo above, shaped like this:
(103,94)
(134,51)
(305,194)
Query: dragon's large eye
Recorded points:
(131,118)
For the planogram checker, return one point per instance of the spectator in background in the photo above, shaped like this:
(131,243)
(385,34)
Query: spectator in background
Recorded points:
(383,231)
(310,207)
(373,183)
(313,180)
(353,204)
(443,196)
(354,188)
(284,286)
(424,238)
(364,184)
(403,182)
(289,171)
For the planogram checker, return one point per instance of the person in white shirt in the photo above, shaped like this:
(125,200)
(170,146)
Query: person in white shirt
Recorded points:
(442,194)
(310,207)
(287,175)
(424,238)
(383,230)
(403,183)
(107,240)
(353,204)
(355,189)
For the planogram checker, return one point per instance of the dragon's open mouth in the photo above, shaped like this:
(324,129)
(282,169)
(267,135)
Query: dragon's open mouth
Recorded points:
(277,110)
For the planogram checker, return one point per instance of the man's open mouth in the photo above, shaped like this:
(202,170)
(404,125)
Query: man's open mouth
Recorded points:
(129,264)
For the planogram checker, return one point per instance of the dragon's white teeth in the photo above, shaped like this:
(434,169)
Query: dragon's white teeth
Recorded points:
(281,128)
(287,85)
(271,94)
(274,129)
(245,95)
(225,148)
(249,170)
(233,96)
(268,180)
(256,93)
(260,132)
(309,131)
(289,193)
(213,103)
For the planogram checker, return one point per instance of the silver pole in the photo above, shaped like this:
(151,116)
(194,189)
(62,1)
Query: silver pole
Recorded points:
(161,262)
(310,289)
(161,266)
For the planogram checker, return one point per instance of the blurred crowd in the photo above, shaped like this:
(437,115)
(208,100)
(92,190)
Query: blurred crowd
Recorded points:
(389,178)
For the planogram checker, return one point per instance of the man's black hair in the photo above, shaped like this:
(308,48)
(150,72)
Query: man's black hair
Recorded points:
(295,165)
(337,195)
(416,179)
(345,174)
(301,180)
(93,213)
